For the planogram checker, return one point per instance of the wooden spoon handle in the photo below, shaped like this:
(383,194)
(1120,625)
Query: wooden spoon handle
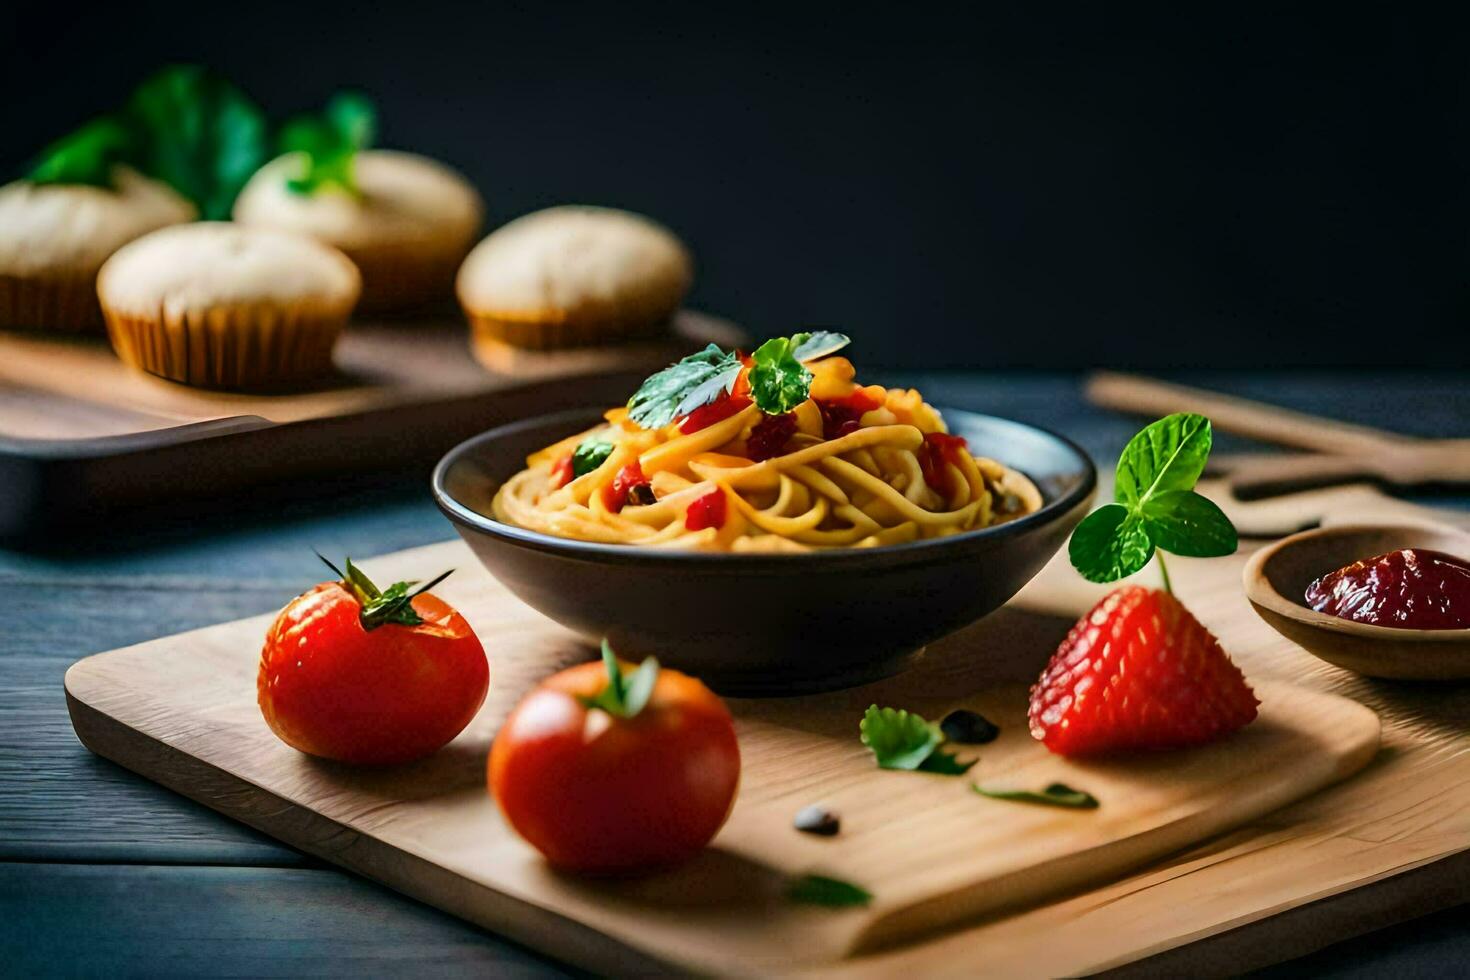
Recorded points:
(1292,474)
(1146,396)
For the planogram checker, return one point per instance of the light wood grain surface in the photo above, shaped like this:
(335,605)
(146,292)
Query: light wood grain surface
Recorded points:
(931,851)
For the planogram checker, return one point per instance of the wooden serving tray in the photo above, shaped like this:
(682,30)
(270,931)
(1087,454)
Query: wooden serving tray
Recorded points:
(82,433)
(962,884)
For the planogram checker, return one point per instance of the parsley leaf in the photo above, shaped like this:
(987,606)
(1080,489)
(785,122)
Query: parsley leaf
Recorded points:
(827,892)
(591,453)
(810,346)
(903,740)
(198,133)
(624,697)
(85,156)
(330,143)
(684,386)
(1055,794)
(778,381)
(1156,506)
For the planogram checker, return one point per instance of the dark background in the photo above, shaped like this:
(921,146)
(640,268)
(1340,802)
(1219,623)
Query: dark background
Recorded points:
(1034,187)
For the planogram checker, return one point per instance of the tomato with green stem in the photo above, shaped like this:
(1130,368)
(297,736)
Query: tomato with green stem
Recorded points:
(608,770)
(366,675)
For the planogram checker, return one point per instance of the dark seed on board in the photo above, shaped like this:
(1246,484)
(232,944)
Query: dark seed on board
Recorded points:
(818,820)
(968,728)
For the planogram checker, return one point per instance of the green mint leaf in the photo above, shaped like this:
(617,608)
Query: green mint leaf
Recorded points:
(624,697)
(778,381)
(1157,507)
(684,386)
(826,892)
(1167,455)
(1184,523)
(810,346)
(946,764)
(329,143)
(199,134)
(591,453)
(1056,794)
(1110,543)
(86,156)
(898,739)
(355,118)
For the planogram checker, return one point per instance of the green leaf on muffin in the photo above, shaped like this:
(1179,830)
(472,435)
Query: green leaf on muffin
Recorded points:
(684,386)
(198,133)
(85,156)
(329,143)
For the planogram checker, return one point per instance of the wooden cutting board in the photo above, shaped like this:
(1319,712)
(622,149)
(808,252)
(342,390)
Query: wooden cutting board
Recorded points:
(182,711)
(83,434)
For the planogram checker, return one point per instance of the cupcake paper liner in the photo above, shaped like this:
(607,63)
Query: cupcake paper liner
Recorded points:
(67,304)
(230,346)
(588,328)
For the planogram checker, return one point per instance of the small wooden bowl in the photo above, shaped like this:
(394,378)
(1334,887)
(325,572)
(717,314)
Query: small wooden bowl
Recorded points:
(1276,580)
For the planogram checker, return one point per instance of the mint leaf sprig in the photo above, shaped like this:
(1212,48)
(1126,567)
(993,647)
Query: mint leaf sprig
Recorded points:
(329,143)
(184,125)
(779,380)
(85,156)
(624,697)
(904,740)
(381,607)
(1156,507)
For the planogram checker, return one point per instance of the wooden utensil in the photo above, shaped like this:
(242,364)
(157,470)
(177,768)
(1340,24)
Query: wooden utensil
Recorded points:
(1277,576)
(1342,452)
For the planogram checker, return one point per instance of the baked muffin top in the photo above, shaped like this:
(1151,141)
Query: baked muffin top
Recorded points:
(404,200)
(554,264)
(69,229)
(219,263)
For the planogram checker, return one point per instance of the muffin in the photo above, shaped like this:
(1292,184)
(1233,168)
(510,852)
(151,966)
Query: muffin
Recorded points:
(54,237)
(220,305)
(572,276)
(407,229)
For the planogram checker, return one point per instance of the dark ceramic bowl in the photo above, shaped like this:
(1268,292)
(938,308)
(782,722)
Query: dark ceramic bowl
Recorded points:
(769,624)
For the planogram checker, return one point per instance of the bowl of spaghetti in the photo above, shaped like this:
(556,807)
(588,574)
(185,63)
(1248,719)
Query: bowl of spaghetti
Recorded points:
(764,521)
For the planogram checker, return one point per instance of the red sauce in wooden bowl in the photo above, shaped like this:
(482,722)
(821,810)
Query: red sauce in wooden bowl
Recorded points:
(1413,588)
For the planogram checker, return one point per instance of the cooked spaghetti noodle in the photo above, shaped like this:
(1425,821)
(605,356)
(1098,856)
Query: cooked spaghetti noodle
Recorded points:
(850,466)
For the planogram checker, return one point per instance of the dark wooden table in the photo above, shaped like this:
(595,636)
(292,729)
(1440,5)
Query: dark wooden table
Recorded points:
(104,873)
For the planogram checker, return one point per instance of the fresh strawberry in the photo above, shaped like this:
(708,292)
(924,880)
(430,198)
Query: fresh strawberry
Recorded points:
(1138,672)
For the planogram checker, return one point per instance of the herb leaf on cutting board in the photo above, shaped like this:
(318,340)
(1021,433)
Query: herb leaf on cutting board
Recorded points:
(1055,794)
(827,892)
(1157,507)
(903,740)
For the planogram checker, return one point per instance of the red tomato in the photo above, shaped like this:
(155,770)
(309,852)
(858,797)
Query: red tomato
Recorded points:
(562,472)
(706,511)
(390,694)
(935,455)
(602,794)
(615,495)
(716,411)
